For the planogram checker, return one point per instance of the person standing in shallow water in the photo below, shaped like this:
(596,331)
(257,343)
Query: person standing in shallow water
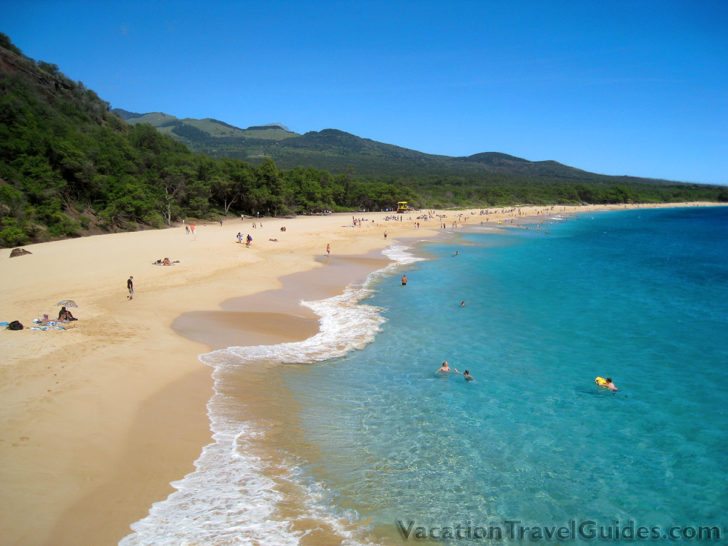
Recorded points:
(404,280)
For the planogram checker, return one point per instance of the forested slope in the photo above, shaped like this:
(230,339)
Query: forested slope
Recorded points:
(69,166)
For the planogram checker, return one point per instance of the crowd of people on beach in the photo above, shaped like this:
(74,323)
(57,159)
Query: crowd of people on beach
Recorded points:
(426,216)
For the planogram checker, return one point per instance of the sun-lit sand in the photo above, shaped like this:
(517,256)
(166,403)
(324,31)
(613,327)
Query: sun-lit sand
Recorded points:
(99,418)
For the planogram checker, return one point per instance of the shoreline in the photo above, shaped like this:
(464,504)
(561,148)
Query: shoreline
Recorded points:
(97,407)
(72,397)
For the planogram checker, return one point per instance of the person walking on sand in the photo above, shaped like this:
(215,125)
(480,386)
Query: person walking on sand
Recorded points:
(130,287)
(328,249)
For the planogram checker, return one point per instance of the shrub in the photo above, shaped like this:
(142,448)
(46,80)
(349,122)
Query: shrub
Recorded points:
(13,236)
(153,219)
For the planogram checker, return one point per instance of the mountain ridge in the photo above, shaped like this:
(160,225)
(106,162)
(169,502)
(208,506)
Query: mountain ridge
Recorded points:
(69,166)
(341,152)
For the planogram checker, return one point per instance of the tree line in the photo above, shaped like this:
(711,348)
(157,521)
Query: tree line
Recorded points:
(68,167)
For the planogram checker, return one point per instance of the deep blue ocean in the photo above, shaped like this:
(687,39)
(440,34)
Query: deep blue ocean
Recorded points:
(640,296)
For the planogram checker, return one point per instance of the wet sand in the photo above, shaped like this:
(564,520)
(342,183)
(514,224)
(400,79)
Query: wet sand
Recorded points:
(98,419)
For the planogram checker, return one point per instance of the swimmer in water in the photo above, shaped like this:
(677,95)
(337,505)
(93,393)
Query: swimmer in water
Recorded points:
(445,368)
(606,383)
(467,376)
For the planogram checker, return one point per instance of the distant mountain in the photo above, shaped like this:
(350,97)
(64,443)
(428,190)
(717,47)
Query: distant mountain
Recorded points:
(341,152)
(192,131)
(69,166)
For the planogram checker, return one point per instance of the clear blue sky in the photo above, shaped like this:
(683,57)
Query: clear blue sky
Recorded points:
(618,87)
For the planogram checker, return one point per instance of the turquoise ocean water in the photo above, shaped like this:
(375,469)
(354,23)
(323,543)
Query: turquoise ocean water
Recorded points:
(639,296)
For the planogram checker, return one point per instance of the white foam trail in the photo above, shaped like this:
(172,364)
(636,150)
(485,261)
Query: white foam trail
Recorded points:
(344,326)
(400,254)
(229,498)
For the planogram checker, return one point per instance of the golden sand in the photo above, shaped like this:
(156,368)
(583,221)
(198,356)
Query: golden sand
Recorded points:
(98,419)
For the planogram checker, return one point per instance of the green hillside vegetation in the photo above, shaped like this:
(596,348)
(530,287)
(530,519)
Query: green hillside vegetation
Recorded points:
(208,128)
(69,166)
(340,152)
(486,179)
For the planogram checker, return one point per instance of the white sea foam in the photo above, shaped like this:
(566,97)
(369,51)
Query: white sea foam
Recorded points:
(229,498)
(345,325)
(400,254)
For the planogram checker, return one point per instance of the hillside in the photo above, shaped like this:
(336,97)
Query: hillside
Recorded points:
(69,166)
(341,152)
(207,128)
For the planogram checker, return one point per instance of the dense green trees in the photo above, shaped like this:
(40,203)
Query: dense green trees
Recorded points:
(68,167)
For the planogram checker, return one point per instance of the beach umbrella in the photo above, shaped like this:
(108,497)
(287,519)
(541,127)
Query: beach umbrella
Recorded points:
(67,303)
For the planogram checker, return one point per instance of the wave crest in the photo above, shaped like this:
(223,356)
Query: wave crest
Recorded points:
(229,498)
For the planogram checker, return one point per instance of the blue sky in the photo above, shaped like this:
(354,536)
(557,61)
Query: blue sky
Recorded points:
(617,87)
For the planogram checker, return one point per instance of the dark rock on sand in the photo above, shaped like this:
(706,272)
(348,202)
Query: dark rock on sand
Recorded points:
(19,252)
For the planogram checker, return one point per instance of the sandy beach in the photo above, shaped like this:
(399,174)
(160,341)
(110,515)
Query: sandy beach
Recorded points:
(97,419)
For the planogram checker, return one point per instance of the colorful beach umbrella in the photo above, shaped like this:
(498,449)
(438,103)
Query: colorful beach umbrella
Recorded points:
(67,303)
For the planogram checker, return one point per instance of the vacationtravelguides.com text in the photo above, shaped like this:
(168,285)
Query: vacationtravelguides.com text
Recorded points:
(574,530)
